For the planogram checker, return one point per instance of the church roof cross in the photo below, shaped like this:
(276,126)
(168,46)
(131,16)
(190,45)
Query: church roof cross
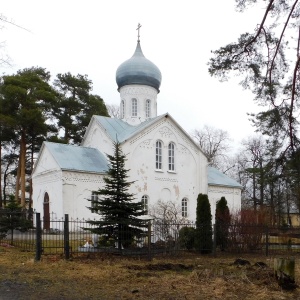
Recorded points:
(138,29)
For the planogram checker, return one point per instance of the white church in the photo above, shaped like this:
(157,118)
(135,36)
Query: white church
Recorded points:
(164,161)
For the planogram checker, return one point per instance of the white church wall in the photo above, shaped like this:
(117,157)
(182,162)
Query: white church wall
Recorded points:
(50,183)
(232,196)
(45,164)
(96,138)
(141,93)
(187,181)
(77,189)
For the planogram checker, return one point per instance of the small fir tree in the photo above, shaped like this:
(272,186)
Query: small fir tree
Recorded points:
(203,238)
(13,217)
(119,212)
(222,223)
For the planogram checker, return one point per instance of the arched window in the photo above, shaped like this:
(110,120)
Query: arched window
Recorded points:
(145,203)
(158,157)
(122,109)
(184,206)
(148,108)
(171,153)
(134,108)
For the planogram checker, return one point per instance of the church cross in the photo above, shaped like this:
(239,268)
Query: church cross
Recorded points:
(138,29)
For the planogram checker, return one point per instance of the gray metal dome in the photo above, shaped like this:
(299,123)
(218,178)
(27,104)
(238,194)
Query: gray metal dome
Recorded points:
(138,70)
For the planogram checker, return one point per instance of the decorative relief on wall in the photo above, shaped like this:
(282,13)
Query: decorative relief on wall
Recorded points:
(165,132)
(51,176)
(184,139)
(165,179)
(220,190)
(146,132)
(145,144)
(182,149)
(138,90)
(82,177)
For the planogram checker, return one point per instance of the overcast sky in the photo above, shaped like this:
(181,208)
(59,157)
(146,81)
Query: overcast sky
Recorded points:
(94,37)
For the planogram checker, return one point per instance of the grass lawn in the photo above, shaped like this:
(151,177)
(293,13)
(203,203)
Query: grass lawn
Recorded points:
(114,277)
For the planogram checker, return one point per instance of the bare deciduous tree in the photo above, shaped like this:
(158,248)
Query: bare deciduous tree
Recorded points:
(214,143)
(113,110)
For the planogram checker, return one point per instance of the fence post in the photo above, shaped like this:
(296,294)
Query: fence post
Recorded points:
(149,239)
(38,246)
(66,237)
(267,241)
(215,241)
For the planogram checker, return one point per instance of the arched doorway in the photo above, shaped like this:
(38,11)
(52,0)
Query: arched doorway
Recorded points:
(46,212)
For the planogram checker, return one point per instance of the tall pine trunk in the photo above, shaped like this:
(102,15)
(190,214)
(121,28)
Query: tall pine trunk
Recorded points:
(22,164)
(18,179)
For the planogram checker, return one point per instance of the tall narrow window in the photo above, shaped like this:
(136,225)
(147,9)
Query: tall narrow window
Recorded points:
(134,108)
(184,204)
(145,203)
(158,157)
(122,109)
(94,198)
(171,150)
(148,108)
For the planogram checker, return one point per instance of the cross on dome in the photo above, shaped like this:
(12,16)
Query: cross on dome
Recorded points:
(138,29)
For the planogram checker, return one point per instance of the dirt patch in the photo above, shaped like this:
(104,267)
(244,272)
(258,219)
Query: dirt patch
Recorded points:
(162,267)
(111,277)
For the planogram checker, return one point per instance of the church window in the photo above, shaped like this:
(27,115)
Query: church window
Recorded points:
(148,108)
(134,108)
(171,149)
(158,155)
(94,199)
(145,203)
(122,109)
(184,206)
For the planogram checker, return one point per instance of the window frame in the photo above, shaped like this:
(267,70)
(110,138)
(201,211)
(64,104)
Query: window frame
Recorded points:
(94,199)
(171,157)
(148,108)
(158,155)
(122,109)
(184,207)
(134,107)
(145,202)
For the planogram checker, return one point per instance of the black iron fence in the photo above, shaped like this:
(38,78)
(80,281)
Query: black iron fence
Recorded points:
(70,237)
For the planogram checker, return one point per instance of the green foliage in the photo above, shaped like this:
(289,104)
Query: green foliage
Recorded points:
(76,106)
(268,62)
(13,217)
(118,210)
(222,223)
(187,237)
(203,239)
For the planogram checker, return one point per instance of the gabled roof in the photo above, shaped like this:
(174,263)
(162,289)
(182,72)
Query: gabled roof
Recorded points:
(119,130)
(77,158)
(216,177)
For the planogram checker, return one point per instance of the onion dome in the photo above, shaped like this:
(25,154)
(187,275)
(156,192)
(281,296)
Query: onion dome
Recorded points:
(138,70)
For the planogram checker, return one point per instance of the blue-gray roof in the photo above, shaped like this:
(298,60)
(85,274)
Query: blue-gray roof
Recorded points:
(77,158)
(138,70)
(216,177)
(119,130)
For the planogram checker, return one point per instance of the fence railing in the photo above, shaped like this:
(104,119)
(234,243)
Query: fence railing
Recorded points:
(69,237)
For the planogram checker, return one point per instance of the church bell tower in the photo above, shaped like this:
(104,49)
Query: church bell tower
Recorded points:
(138,81)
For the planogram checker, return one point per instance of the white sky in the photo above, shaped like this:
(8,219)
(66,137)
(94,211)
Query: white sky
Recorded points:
(94,37)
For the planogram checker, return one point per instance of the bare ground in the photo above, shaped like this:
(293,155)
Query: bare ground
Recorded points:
(113,277)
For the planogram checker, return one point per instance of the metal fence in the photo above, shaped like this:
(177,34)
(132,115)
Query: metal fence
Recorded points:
(70,237)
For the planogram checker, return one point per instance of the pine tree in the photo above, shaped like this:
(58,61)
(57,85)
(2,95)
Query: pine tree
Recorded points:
(222,223)
(203,238)
(117,207)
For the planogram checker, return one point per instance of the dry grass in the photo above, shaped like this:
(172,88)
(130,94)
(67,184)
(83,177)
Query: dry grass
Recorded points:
(112,277)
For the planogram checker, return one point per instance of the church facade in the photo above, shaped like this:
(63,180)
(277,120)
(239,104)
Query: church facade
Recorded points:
(163,160)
